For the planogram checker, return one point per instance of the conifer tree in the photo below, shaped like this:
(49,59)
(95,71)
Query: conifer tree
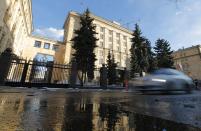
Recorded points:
(139,53)
(111,66)
(84,44)
(151,57)
(163,54)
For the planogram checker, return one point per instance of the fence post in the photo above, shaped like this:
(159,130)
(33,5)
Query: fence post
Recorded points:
(5,63)
(24,73)
(50,71)
(73,74)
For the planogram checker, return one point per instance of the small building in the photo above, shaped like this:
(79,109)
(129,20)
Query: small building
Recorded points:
(44,49)
(188,60)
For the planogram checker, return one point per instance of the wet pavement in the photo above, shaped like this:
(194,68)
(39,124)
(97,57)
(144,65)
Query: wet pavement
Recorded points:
(97,110)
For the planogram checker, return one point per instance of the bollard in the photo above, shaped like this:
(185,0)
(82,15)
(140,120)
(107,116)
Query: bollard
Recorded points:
(126,78)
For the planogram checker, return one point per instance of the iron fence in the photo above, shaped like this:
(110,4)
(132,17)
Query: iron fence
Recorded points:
(23,71)
(31,73)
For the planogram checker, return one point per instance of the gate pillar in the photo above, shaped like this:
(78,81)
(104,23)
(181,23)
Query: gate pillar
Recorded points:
(50,66)
(24,73)
(5,63)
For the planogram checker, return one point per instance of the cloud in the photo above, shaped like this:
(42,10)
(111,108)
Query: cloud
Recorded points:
(53,33)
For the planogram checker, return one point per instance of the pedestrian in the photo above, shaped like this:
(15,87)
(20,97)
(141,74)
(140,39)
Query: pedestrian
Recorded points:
(103,76)
(125,78)
(196,83)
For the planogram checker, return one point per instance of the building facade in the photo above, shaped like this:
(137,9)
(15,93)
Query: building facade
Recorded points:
(15,24)
(188,60)
(44,49)
(16,32)
(111,37)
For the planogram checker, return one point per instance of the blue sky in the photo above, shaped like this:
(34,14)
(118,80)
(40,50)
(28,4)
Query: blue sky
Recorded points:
(178,21)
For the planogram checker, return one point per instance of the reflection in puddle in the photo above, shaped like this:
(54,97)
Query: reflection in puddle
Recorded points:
(75,114)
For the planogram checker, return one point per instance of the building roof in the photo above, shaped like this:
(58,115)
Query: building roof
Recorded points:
(46,39)
(101,19)
(188,48)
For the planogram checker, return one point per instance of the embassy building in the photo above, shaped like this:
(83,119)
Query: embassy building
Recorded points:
(16,32)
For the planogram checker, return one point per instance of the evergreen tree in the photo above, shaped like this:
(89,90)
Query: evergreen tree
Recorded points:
(84,44)
(139,52)
(163,54)
(134,65)
(111,66)
(151,57)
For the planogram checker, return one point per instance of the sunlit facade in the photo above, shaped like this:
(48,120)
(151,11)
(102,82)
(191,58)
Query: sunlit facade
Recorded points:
(188,60)
(15,24)
(111,37)
(16,33)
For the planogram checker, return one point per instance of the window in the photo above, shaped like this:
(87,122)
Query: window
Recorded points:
(110,32)
(125,44)
(37,44)
(125,50)
(101,36)
(55,47)
(47,46)
(125,38)
(110,39)
(100,53)
(94,25)
(118,57)
(110,46)
(102,29)
(101,44)
(118,35)
(101,61)
(118,48)
(118,41)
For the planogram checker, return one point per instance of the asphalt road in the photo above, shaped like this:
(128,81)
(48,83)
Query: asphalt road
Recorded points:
(64,109)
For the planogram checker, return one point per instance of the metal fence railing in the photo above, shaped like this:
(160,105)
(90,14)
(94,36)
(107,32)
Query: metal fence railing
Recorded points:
(38,72)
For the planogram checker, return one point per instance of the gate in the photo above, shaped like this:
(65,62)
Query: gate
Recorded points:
(23,73)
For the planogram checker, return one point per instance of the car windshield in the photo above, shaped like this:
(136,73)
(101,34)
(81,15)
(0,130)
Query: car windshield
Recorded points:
(167,72)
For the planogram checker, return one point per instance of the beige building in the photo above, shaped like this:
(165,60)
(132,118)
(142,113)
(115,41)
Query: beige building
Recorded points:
(188,60)
(112,37)
(15,24)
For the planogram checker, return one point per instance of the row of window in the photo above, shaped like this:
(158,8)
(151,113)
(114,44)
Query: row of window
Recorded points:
(111,37)
(110,46)
(101,61)
(38,44)
(117,56)
(102,30)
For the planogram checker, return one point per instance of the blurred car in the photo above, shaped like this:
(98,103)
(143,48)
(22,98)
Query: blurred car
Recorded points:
(164,79)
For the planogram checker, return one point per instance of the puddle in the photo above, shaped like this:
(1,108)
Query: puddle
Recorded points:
(76,113)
